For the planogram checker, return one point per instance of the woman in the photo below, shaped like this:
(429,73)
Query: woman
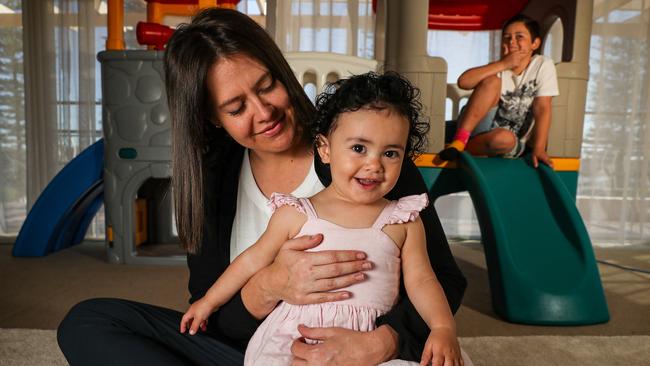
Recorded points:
(241,130)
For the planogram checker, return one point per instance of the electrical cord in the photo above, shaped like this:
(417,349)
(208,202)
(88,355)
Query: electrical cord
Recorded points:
(604,262)
(623,267)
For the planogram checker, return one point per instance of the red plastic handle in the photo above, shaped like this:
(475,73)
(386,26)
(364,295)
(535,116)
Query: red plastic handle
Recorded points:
(153,34)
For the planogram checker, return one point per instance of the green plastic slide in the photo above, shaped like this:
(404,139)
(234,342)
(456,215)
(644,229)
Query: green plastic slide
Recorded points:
(541,264)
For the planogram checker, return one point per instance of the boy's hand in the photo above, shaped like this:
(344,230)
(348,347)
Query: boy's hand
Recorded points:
(442,348)
(197,316)
(513,59)
(540,155)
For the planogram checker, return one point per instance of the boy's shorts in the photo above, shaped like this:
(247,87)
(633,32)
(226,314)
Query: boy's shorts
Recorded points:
(487,124)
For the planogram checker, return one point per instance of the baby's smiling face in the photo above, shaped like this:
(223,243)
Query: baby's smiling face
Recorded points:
(365,150)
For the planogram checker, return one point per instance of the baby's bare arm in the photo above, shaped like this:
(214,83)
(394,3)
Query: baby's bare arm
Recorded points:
(421,283)
(284,224)
(427,296)
(281,228)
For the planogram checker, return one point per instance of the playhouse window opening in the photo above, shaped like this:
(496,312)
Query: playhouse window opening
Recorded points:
(154,226)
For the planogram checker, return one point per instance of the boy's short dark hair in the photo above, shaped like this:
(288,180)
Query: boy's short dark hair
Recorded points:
(531,24)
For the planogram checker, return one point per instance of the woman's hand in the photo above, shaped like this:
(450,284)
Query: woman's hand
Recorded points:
(340,346)
(300,277)
(442,348)
(308,277)
(197,316)
(540,155)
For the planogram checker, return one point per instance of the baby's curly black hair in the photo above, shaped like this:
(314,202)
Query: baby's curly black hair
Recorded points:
(374,91)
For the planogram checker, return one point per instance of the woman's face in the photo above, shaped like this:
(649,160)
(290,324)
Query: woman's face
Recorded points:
(516,37)
(251,105)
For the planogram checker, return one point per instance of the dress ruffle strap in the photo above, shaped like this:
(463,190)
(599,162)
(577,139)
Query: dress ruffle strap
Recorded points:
(407,209)
(278,200)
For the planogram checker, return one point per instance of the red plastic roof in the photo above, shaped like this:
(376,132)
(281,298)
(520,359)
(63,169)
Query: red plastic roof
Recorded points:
(472,14)
(172,1)
(190,2)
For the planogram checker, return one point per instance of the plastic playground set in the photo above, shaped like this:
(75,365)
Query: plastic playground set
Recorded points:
(540,260)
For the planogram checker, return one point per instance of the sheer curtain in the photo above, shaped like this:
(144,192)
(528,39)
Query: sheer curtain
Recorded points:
(62,84)
(12,120)
(60,87)
(339,26)
(614,185)
(40,96)
(59,90)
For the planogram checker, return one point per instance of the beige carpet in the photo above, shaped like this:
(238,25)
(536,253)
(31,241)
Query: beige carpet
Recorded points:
(33,347)
(29,347)
(559,350)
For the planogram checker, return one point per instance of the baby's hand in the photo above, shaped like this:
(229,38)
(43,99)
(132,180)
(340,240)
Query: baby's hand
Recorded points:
(197,316)
(441,348)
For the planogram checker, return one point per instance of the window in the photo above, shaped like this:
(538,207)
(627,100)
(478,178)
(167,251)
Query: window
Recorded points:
(339,26)
(73,32)
(453,46)
(553,41)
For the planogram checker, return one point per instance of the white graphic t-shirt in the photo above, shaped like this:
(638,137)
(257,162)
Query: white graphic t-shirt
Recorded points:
(515,111)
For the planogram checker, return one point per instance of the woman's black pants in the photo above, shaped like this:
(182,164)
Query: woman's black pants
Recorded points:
(122,332)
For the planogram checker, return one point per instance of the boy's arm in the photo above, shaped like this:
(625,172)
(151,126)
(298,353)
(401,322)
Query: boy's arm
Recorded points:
(421,283)
(469,79)
(542,114)
(472,77)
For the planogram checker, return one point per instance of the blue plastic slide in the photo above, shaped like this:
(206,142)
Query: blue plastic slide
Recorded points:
(63,211)
(541,264)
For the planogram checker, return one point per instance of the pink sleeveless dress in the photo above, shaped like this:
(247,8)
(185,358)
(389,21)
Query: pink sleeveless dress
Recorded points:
(270,345)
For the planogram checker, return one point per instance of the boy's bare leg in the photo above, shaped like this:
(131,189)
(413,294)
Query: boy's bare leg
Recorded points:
(492,143)
(484,97)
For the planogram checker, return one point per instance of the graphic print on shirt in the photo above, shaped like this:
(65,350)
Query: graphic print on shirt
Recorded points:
(515,112)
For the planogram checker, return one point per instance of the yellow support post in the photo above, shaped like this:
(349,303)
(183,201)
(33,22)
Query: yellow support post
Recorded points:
(115,20)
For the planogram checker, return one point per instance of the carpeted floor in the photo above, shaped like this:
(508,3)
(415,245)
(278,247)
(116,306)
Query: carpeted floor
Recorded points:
(34,347)
(627,293)
(37,292)
(29,347)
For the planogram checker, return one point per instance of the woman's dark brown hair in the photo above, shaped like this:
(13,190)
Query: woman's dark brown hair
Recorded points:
(212,35)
